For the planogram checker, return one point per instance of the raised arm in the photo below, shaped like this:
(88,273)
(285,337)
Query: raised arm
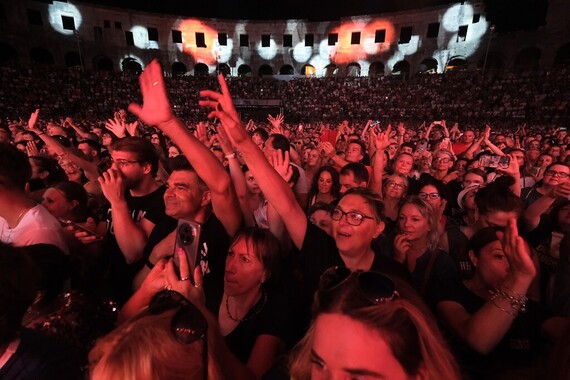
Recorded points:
(156,110)
(381,142)
(275,189)
(485,328)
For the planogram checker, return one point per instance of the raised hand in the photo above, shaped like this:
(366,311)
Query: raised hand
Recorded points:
(112,186)
(517,251)
(155,109)
(132,128)
(383,139)
(280,163)
(326,150)
(401,128)
(116,126)
(202,134)
(402,246)
(277,123)
(32,121)
(32,149)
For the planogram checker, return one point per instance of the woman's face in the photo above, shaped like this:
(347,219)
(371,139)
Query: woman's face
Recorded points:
(556,175)
(344,348)
(323,220)
(431,195)
(55,202)
(395,187)
(244,270)
(155,139)
(412,223)
(472,179)
(544,160)
(173,152)
(403,165)
(313,157)
(106,139)
(469,200)
(251,183)
(325,182)
(352,239)
(491,265)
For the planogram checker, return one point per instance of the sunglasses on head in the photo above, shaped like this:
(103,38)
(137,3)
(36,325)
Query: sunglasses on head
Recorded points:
(188,324)
(374,286)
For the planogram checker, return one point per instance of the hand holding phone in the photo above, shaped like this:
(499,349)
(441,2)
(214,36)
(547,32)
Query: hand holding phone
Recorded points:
(188,239)
(82,233)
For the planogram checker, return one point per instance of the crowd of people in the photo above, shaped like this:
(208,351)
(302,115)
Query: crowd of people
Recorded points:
(177,241)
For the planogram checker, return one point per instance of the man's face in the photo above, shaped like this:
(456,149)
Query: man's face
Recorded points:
(353,153)
(183,198)
(87,150)
(468,137)
(131,169)
(268,148)
(347,182)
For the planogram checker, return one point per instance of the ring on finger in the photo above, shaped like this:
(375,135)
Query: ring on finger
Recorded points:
(197,285)
(184,278)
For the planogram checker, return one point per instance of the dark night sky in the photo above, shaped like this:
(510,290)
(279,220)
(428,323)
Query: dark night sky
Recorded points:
(270,9)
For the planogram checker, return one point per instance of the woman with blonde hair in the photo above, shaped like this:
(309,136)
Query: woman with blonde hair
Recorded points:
(416,245)
(363,326)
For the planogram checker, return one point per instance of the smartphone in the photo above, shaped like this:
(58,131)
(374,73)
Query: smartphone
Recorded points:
(374,123)
(188,238)
(535,170)
(77,226)
(501,162)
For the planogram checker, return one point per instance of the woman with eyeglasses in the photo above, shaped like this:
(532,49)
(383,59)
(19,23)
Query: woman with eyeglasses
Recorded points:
(434,193)
(443,161)
(357,219)
(364,328)
(393,191)
(555,175)
(497,331)
(416,245)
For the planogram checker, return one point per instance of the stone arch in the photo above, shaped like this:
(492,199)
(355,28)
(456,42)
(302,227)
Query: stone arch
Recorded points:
(7,53)
(331,70)
(178,69)
(72,59)
(495,61)
(286,70)
(376,69)
(41,56)
(201,69)
(562,57)
(309,70)
(401,68)
(428,66)
(244,71)
(131,65)
(528,58)
(102,63)
(456,63)
(265,70)
(223,68)
(353,69)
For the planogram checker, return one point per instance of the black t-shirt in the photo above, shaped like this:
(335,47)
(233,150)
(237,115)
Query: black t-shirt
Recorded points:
(319,252)
(458,252)
(516,349)
(121,274)
(269,317)
(39,357)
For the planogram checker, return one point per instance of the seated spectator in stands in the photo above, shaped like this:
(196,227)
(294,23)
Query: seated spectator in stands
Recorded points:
(495,327)
(364,326)
(26,354)
(22,221)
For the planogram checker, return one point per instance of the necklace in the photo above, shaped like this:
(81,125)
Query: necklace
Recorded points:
(256,311)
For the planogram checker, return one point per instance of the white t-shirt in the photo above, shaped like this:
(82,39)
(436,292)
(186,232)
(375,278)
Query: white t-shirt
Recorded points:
(37,226)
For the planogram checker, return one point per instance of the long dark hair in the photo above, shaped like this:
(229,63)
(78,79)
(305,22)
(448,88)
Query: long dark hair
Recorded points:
(335,191)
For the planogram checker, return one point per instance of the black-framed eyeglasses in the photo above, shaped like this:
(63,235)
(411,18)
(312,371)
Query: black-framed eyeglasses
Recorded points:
(353,218)
(374,286)
(424,195)
(121,163)
(445,160)
(188,324)
(553,173)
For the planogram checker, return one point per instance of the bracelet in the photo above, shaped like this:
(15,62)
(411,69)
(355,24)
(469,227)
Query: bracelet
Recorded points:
(40,133)
(148,263)
(518,301)
(231,155)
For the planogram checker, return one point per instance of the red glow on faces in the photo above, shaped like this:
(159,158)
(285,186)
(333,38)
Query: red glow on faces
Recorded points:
(205,55)
(346,52)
